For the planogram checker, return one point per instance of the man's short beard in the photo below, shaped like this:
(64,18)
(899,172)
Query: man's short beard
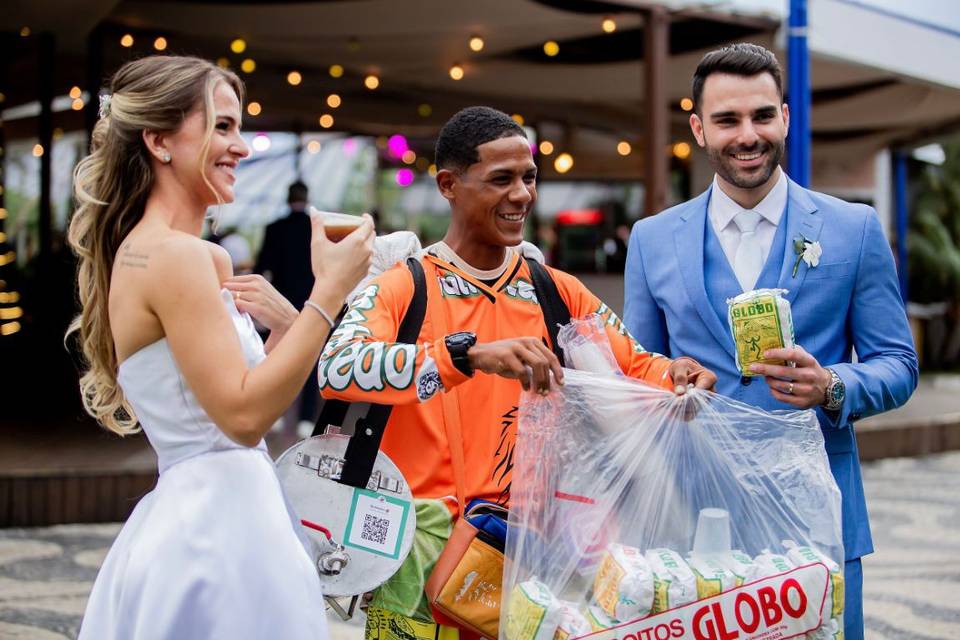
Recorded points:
(721,164)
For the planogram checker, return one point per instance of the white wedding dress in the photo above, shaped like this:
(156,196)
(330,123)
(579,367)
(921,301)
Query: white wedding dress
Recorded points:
(214,551)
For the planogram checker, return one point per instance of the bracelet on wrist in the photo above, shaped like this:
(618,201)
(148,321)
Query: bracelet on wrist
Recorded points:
(326,316)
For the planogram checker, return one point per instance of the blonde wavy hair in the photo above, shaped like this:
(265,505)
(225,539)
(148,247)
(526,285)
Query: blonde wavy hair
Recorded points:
(111,186)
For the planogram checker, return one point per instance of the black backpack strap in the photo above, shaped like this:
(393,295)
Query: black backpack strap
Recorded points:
(365,442)
(555,311)
(331,411)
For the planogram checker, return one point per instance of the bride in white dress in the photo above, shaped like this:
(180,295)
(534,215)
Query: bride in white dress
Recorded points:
(213,551)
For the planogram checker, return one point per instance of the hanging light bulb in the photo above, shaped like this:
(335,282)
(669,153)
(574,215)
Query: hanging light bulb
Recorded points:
(563,163)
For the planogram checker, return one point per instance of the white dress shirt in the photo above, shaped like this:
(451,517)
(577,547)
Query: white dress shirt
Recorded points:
(722,210)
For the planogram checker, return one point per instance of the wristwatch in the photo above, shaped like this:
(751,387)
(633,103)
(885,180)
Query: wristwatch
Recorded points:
(836,392)
(458,344)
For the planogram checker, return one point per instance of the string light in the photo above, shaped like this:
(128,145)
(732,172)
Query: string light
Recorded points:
(609,25)
(254,109)
(563,163)
(11,314)
(456,72)
(422,163)
(432,170)
(546,147)
(409,156)
(681,150)
(37,150)
(249,65)
(75,92)
(126,40)
(261,142)
(424,110)
(77,105)
(551,48)
(294,78)
(371,82)
(313,147)
(326,121)
(624,148)
(25,32)
(336,71)
(476,43)
(333,101)
(686,104)
(238,46)
(518,119)
(160,43)
(9,328)
(7,258)
(223,63)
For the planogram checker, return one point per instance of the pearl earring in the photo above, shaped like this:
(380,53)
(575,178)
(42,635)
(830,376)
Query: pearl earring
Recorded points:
(166,158)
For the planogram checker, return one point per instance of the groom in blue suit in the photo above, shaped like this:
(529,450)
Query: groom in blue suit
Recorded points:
(755,228)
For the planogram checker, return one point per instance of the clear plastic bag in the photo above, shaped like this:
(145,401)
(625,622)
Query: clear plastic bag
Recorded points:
(637,514)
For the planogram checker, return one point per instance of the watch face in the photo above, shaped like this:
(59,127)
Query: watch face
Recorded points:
(838,392)
(462,338)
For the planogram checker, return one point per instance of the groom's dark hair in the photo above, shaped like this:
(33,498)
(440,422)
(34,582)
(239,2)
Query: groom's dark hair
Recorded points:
(740,59)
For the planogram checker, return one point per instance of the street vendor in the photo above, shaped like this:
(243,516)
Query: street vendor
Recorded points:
(483,340)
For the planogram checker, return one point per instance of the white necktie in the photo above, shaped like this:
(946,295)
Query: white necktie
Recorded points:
(748,261)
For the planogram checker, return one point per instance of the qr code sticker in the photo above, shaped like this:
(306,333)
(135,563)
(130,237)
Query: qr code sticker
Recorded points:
(375,529)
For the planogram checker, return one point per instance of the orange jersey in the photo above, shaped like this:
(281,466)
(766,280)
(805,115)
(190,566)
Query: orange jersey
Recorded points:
(363,363)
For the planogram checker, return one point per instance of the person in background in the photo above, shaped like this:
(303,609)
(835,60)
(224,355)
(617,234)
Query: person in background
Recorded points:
(284,260)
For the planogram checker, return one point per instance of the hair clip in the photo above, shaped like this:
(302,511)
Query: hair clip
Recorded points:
(104,105)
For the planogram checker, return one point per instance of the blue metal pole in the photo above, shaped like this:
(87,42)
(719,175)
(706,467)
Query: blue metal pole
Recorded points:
(798,71)
(903,216)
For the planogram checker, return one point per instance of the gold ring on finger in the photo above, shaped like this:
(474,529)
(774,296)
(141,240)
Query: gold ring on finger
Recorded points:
(790,389)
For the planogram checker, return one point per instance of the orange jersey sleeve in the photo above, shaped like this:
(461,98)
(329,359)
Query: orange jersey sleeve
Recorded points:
(634,360)
(362,362)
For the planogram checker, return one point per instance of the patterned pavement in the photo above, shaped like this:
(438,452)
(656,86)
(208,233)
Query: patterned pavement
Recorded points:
(912,581)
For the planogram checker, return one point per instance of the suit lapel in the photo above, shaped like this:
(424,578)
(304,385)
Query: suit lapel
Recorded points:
(802,220)
(688,242)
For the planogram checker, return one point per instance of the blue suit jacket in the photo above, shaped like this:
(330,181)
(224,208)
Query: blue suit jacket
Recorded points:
(850,301)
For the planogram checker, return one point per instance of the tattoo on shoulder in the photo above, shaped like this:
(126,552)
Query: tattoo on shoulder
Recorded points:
(130,257)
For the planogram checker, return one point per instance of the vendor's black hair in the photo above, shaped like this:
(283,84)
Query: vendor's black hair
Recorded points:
(468,129)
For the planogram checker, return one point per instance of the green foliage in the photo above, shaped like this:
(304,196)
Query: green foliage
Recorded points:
(933,241)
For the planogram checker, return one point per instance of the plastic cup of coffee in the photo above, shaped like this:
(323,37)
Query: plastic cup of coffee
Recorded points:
(337,225)
(713,532)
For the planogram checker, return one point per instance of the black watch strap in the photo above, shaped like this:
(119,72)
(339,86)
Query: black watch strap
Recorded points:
(458,344)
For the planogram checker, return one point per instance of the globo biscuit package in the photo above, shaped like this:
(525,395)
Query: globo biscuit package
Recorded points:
(759,320)
(635,512)
(623,586)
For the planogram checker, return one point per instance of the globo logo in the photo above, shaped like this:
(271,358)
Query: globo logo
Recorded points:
(766,606)
(781,606)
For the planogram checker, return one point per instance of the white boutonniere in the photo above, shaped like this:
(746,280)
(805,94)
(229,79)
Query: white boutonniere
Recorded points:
(808,251)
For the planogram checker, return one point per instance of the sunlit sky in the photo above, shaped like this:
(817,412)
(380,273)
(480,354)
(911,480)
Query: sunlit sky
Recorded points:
(943,13)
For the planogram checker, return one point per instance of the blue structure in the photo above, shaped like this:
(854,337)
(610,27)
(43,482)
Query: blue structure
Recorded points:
(902,216)
(798,91)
